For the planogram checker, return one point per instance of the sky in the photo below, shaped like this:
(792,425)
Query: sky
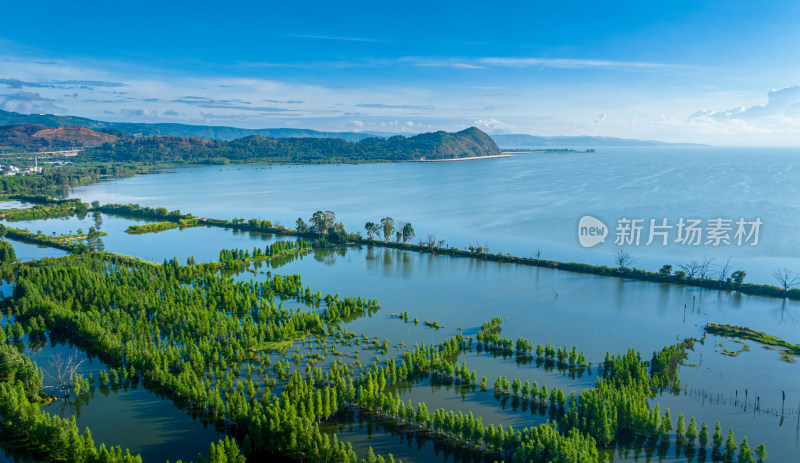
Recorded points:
(717,72)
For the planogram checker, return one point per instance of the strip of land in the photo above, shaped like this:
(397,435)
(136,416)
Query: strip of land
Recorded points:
(732,331)
(337,235)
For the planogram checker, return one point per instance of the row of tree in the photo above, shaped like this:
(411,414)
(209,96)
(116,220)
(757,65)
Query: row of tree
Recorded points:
(399,232)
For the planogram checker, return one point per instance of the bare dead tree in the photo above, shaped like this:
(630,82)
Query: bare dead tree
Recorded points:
(786,279)
(31,351)
(430,241)
(62,371)
(704,267)
(691,268)
(623,260)
(537,254)
(724,270)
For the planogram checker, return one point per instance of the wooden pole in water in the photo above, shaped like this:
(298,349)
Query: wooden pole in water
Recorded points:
(783,402)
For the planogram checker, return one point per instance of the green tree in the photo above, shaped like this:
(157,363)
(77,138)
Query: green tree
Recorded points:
(516,386)
(408,232)
(666,425)
(716,440)
(703,437)
(371,229)
(745,455)
(730,446)
(691,432)
(761,452)
(321,222)
(680,428)
(387,227)
(423,417)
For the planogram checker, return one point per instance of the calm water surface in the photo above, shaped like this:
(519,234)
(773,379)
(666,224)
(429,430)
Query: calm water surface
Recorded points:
(516,204)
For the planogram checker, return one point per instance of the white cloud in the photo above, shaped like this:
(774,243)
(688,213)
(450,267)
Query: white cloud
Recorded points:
(329,37)
(776,122)
(139,113)
(493,125)
(455,63)
(783,103)
(532,62)
(29,102)
(570,63)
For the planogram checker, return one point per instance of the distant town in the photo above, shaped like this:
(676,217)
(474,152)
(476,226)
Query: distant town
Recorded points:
(9,169)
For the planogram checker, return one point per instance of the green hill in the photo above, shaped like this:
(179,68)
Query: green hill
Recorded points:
(31,136)
(436,145)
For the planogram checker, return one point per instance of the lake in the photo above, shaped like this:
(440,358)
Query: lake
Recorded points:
(515,204)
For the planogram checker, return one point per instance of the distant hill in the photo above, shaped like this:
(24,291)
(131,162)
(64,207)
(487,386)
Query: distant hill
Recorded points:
(533,141)
(232,133)
(37,137)
(436,145)
(175,130)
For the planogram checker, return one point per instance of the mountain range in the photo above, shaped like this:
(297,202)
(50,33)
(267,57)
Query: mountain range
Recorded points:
(533,141)
(175,130)
(232,133)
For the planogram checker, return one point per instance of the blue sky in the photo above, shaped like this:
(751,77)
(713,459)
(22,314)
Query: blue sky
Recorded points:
(713,72)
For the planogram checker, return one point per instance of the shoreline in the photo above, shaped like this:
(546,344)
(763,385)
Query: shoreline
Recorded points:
(472,158)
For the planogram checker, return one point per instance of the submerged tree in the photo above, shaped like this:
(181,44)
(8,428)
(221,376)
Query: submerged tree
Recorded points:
(62,371)
(724,271)
(786,279)
(761,452)
(93,240)
(623,260)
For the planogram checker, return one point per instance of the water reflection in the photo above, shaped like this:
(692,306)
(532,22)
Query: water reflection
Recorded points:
(364,430)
